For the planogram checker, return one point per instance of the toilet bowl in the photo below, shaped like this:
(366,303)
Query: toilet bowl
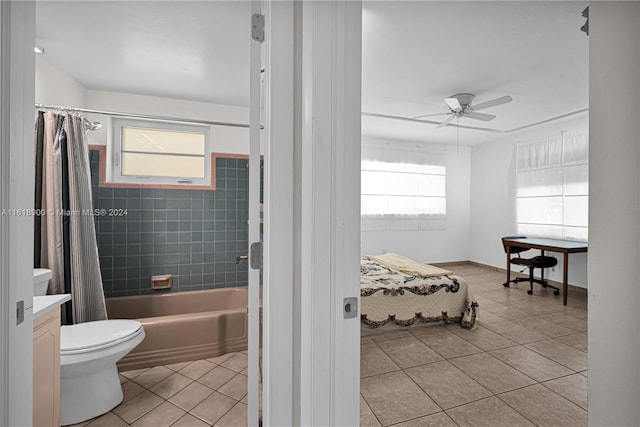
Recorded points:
(89,381)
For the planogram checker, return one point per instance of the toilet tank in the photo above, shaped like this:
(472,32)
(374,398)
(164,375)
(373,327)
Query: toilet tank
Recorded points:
(41,278)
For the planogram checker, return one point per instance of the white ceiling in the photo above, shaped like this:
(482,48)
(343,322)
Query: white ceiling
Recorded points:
(415,54)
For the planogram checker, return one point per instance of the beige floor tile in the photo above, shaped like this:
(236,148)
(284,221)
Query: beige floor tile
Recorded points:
(130,390)
(190,396)
(580,313)
(492,373)
(504,295)
(585,374)
(236,387)
(178,366)
(236,417)
(515,332)
(489,412)
(236,363)
(107,420)
(483,338)
(367,419)
(213,407)
(133,373)
(408,351)
(531,363)
(152,376)
(448,344)
(217,377)
(163,415)
(171,385)
(544,407)
(567,321)
(540,306)
(218,360)
(544,327)
(122,378)
(486,317)
(394,398)
(389,335)
(189,420)
(439,419)
(365,340)
(579,340)
(570,357)
(138,406)
(197,369)
(447,385)
(571,387)
(374,361)
(504,310)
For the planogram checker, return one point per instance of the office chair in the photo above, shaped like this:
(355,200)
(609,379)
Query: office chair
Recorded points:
(539,261)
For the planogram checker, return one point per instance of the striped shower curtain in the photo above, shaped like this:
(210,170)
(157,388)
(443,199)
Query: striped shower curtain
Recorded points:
(65,237)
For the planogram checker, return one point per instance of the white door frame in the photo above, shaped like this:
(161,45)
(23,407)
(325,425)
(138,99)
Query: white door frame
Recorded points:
(17,95)
(312,215)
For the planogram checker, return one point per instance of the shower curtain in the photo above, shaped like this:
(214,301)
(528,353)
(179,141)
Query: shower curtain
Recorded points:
(65,237)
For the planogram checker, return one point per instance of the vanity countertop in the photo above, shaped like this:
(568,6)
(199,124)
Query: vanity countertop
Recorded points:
(46,303)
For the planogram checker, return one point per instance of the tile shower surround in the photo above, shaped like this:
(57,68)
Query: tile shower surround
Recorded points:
(194,235)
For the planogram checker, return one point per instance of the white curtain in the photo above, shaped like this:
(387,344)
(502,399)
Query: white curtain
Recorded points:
(552,177)
(66,237)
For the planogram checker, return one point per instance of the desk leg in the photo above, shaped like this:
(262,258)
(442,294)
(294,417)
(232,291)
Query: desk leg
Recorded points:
(565,277)
(542,269)
(506,284)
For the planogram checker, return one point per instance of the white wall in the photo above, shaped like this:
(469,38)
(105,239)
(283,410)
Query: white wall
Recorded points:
(493,206)
(225,139)
(449,242)
(614,212)
(54,87)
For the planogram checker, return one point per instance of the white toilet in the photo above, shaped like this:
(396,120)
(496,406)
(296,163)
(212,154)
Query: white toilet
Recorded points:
(89,382)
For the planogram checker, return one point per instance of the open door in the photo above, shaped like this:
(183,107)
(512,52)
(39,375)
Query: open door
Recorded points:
(255,239)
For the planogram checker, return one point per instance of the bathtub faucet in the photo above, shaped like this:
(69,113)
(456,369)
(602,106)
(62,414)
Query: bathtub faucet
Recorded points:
(242,258)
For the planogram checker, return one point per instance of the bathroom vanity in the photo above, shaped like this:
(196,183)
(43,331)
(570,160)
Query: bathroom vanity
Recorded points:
(46,359)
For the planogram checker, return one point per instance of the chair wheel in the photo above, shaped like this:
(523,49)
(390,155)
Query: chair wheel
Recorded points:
(556,292)
(505,284)
(530,292)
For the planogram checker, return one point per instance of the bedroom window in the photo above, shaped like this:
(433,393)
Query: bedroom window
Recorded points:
(552,196)
(160,153)
(402,188)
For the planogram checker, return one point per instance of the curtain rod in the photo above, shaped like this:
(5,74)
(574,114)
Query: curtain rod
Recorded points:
(140,116)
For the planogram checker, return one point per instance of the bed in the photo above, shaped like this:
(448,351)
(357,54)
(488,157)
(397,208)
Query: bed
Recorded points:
(403,291)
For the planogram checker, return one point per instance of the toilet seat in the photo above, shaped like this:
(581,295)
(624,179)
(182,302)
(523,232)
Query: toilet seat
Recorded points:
(92,336)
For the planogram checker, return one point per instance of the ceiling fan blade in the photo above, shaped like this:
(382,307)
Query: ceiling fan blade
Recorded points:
(493,102)
(429,115)
(453,103)
(479,116)
(446,121)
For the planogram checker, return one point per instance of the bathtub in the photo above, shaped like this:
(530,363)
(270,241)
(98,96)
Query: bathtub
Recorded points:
(183,326)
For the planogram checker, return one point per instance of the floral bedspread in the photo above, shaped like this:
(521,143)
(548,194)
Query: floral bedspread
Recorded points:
(389,295)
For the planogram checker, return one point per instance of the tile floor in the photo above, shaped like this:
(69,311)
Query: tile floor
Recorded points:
(191,394)
(525,364)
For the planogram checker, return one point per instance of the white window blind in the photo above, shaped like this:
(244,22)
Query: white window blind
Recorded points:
(552,196)
(401,182)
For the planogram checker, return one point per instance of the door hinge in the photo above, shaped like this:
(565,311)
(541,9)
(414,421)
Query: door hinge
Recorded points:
(257,27)
(255,255)
(19,312)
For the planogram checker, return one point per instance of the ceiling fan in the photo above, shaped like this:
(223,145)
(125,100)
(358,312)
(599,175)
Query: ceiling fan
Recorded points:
(460,105)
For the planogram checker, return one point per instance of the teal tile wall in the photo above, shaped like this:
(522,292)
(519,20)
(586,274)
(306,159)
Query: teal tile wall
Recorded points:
(194,235)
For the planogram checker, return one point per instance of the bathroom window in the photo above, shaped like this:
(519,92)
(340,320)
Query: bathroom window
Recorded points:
(160,153)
